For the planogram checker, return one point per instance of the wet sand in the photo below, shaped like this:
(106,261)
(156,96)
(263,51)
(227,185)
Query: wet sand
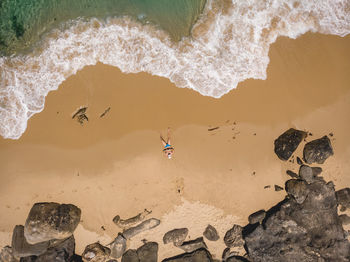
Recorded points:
(114,165)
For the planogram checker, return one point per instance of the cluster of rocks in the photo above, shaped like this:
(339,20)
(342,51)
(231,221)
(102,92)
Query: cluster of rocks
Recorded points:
(305,226)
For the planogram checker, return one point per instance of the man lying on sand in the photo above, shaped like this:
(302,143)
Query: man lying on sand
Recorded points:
(168,149)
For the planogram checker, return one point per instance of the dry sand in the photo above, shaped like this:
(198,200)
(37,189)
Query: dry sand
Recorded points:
(114,165)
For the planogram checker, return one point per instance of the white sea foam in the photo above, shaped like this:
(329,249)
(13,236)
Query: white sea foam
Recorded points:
(229,44)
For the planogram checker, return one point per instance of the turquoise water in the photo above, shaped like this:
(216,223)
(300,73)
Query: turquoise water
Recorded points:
(24,22)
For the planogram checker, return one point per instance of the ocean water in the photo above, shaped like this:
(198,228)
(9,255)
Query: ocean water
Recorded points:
(228,43)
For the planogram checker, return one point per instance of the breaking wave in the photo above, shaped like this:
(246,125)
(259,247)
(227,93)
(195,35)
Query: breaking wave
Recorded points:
(229,43)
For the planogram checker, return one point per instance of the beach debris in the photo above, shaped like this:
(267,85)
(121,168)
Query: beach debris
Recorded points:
(80,115)
(130,256)
(331,134)
(211,233)
(48,221)
(343,197)
(306,173)
(297,189)
(233,237)
(278,188)
(292,174)
(287,143)
(318,150)
(148,252)
(213,128)
(96,253)
(257,217)
(201,255)
(176,236)
(20,246)
(126,223)
(105,112)
(299,161)
(192,245)
(267,186)
(118,246)
(145,225)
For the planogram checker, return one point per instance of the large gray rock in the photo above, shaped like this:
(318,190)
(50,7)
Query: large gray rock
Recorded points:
(233,237)
(130,256)
(145,225)
(199,255)
(306,173)
(317,151)
(307,231)
(48,221)
(6,255)
(192,245)
(96,253)
(257,217)
(287,143)
(237,259)
(343,197)
(118,246)
(148,252)
(211,233)
(176,236)
(20,246)
(297,189)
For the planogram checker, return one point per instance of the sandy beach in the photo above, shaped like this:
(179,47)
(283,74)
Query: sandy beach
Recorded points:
(113,165)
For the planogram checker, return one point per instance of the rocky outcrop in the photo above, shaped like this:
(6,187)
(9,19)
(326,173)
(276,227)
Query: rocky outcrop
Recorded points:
(287,143)
(343,197)
(48,221)
(199,255)
(118,246)
(211,233)
(6,255)
(96,253)
(130,256)
(306,173)
(176,236)
(300,228)
(317,151)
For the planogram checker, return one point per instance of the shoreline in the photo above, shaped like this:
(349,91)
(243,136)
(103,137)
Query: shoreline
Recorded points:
(119,156)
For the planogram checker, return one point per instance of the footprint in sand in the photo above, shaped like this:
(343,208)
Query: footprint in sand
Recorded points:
(180,185)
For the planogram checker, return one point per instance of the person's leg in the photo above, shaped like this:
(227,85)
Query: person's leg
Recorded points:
(168,141)
(163,141)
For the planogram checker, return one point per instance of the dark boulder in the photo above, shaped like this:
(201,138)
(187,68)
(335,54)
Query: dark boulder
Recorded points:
(96,253)
(316,170)
(257,217)
(292,174)
(237,259)
(130,256)
(297,189)
(199,255)
(343,197)
(278,188)
(48,221)
(20,246)
(305,231)
(148,252)
(176,236)
(287,143)
(211,233)
(233,237)
(192,245)
(317,151)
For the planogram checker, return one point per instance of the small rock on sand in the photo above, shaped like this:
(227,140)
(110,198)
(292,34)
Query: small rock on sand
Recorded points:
(343,197)
(317,151)
(145,225)
(192,245)
(233,237)
(278,188)
(211,233)
(287,143)
(176,236)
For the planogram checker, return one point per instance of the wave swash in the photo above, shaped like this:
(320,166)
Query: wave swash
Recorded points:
(229,43)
